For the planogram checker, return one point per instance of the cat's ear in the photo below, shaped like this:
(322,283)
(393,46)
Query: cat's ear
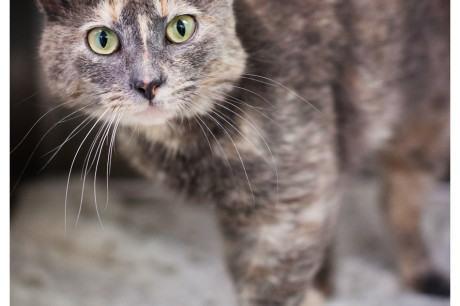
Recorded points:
(52,8)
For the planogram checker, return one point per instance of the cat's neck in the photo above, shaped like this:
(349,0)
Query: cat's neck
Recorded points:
(185,135)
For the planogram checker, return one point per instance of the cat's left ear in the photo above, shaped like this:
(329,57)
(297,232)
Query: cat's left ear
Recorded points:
(52,8)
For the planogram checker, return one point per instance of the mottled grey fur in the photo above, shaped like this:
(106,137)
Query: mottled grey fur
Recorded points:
(266,116)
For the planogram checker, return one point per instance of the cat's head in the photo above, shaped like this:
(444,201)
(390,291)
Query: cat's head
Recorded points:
(151,60)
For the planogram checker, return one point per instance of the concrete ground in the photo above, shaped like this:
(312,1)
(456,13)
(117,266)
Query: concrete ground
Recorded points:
(155,250)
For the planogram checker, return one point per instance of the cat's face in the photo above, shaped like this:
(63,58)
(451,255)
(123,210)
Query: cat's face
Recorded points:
(136,58)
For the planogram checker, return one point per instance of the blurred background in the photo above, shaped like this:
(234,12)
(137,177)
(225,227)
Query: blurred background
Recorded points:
(152,249)
(24,83)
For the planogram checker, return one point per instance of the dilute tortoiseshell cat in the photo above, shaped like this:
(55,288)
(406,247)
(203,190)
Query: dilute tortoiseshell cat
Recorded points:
(263,107)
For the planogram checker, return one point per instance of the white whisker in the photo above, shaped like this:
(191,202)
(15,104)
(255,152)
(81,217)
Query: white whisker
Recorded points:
(109,157)
(70,172)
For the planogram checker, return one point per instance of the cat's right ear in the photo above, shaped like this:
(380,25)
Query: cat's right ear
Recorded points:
(52,8)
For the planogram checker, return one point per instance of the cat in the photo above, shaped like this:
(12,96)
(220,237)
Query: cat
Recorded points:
(264,107)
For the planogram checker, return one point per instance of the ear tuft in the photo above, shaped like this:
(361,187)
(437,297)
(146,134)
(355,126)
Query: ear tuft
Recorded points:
(52,8)
(46,5)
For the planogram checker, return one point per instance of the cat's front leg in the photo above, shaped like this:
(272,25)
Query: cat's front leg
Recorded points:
(274,256)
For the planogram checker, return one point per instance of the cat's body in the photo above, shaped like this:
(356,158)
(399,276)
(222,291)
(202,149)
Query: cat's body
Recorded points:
(299,94)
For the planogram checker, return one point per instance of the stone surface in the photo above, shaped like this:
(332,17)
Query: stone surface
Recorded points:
(153,249)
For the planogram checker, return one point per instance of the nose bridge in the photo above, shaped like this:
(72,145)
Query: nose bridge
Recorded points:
(146,45)
(149,44)
(145,59)
(149,65)
(147,70)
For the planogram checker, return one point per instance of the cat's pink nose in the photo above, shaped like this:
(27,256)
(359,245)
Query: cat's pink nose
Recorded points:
(148,89)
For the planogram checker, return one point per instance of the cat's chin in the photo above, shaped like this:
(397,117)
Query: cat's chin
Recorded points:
(148,116)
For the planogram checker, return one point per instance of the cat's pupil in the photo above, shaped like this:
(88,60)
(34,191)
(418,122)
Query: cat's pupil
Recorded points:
(180,28)
(103,38)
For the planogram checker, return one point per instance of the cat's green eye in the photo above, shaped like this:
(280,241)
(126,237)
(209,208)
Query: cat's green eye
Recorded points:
(180,29)
(103,41)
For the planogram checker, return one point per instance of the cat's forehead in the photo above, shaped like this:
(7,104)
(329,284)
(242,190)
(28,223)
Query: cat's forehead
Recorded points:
(116,11)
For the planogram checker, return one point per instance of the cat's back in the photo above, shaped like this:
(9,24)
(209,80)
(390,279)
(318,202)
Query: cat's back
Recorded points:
(381,65)
(398,38)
